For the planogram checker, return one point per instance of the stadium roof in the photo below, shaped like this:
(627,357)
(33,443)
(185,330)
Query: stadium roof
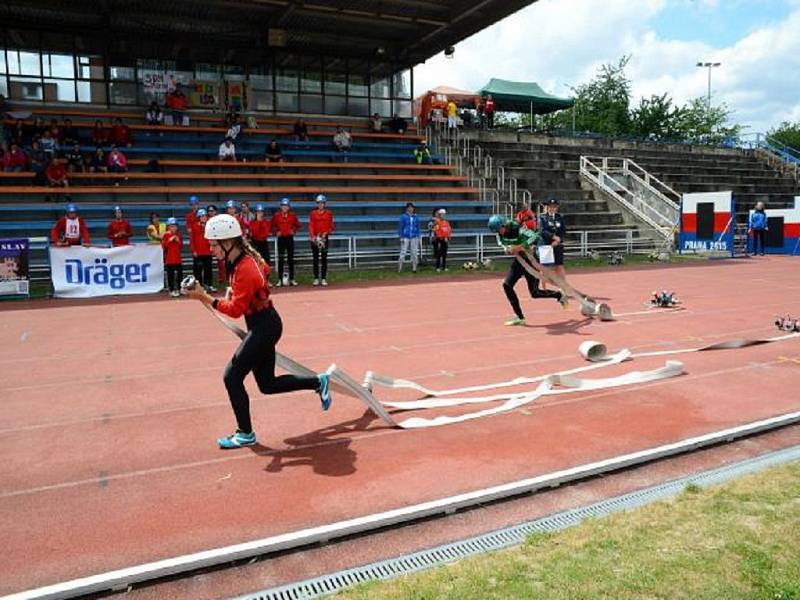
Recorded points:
(403,32)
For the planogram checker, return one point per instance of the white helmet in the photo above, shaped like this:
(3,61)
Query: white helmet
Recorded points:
(223,227)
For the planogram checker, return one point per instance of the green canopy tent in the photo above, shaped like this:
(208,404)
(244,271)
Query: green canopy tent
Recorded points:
(523,97)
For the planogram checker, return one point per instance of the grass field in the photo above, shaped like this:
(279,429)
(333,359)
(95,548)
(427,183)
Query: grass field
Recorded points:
(738,541)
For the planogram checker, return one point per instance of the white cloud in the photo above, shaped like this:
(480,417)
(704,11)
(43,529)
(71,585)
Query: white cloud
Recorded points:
(557,42)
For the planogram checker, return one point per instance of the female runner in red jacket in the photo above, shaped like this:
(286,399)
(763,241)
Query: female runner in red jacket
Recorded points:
(247,274)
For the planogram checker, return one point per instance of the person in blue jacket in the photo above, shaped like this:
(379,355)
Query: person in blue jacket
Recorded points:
(410,237)
(757,227)
(553,230)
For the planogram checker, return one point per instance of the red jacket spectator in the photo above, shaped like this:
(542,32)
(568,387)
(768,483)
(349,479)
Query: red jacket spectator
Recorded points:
(56,172)
(177,101)
(121,134)
(260,230)
(172,244)
(320,222)
(99,134)
(15,159)
(120,232)
(249,288)
(116,159)
(198,242)
(285,224)
(69,232)
(527,218)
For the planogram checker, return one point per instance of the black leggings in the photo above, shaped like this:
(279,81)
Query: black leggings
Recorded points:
(286,247)
(201,269)
(320,260)
(174,276)
(440,252)
(759,235)
(515,272)
(263,249)
(256,353)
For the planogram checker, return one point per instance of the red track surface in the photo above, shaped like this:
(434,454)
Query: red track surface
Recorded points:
(110,411)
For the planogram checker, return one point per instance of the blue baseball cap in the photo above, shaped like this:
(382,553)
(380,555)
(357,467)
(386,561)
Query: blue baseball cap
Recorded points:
(117,208)
(321,198)
(193,200)
(201,212)
(173,221)
(285,202)
(259,207)
(72,208)
(231,204)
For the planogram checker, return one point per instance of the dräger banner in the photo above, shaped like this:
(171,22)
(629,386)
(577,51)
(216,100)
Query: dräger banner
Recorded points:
(80,272)
(14,267)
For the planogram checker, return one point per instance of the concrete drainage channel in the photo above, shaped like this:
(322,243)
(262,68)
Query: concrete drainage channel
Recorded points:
(512,536)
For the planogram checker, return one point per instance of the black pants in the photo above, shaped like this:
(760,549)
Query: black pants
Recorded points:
(263,249)
(440,252)
(319,258)
(174,276)
(515,273)
(286,248)
(490,119)
(201,269)
(256,353)
(759,235)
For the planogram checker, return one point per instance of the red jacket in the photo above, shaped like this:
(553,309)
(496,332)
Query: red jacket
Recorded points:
(249,288)
(198,242)
(58,232)
(121,135)
(100,136)
(172,244)
(489,107)
(177,102)
(320,223)
(284,225)
(527,218)
(442,229)
(123,227)
(56,172)
(260,230)
(15,159)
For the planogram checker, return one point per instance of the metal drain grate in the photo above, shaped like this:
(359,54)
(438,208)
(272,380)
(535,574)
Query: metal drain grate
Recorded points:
(511,536)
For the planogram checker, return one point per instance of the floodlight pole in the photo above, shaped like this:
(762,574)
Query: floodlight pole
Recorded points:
(709,66)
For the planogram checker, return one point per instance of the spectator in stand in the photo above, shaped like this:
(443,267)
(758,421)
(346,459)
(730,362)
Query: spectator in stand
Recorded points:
(235,128)
(227,151)
(285,225)
(376,123)
(119,230)
(273,153)
(98,163)
(99,134)
(17,133)
(38,163)
(56,173)
(201,251)
(74,158)
(757,227)
(320,227)
(177,103)
(422,154)
(231,117)
(398,124)
(48,144)
(38,128)
(442,233)
(489,108)
(156,229)
(410,237)
(70,230)
(342,140)
(259,232)
(121,134)
(117,161)
(56,132)
(527,217)
(300,131)
(70,134)
(15,160)
(452,115)
(172,243)
(154,116)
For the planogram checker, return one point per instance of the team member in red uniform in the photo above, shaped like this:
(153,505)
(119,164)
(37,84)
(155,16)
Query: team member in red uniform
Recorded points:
(442,232)
(119,230)
(201,252)
(320,226)
(527,217)
(250,297)
(285,225)
(259,232)
(191,216)
(172,244)
(70,229)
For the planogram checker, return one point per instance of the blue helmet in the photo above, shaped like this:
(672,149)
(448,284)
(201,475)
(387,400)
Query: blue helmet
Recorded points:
(259,207)
(193,200)
(231,204)
(495,223)
(201,212)
(72,208)
(321,198)
(285,202)
(173,220)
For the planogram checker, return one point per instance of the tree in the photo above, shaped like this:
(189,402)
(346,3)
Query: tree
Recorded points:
(602,104)
(697,123)
(656,118)
(787,133)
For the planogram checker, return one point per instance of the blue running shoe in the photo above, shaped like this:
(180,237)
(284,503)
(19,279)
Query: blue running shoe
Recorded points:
(237,440)
(324,390)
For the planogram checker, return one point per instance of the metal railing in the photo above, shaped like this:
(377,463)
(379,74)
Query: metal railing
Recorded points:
(775,153)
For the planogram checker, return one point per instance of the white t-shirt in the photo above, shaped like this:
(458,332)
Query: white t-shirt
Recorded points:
(226,151)
(72,229)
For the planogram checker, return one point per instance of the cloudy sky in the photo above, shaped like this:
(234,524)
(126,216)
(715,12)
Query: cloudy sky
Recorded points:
(560,43)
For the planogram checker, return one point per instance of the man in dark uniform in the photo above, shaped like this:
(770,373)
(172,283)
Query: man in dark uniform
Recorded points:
(553,231)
